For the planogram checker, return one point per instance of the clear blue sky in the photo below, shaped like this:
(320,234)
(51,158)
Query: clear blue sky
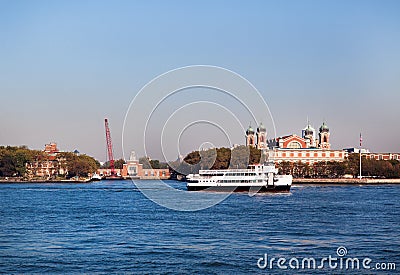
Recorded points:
(65,65)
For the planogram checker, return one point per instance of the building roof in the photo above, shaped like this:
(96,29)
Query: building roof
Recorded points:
(250,130)
(261,128)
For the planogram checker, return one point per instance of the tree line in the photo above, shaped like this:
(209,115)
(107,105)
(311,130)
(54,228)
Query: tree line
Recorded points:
(13,160)
(242,156)
(217,158)
(336,169)
(145,161)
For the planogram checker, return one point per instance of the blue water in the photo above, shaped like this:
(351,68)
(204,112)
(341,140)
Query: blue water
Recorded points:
(110,227)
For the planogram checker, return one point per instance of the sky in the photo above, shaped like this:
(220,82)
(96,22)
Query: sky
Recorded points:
(67,65)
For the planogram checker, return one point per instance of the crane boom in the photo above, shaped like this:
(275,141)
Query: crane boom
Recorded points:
(109,148)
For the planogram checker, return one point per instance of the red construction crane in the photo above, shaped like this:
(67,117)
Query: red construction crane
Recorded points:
(109,148)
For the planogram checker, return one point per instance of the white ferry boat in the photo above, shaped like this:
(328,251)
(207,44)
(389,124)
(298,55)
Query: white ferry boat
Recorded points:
(96,177)
(262,178)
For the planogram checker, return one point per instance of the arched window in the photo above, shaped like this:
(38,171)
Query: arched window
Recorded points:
(294,145)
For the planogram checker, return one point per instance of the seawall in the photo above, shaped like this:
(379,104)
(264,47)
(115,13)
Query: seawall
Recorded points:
(346,181)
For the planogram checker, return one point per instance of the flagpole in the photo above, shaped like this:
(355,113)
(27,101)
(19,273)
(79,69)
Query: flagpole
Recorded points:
(360,154)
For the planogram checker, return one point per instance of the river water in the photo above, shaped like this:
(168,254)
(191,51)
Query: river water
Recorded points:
(111,227)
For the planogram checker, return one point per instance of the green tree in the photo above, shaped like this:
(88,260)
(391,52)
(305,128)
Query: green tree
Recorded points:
(119,163)
(155,164)
(13,160)
(81,165)
(145,161)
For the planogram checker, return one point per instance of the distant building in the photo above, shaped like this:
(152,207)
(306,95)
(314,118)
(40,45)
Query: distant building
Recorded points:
(51,148)
(48,165)
(307,149)
(309,156)
(289,142)
(356,150)
(250,138)
(309,133)
(377,156)
(307,140)
(324,137)
(133,169)
(257,139)
(383,156)
(261,137)
(106,172)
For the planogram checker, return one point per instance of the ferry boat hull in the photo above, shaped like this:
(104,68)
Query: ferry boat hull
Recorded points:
(262,189)
(257,178)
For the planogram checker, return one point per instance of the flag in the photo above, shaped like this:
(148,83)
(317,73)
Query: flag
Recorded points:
(360,140)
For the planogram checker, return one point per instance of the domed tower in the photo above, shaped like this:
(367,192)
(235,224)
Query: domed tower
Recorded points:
(250,140)
(309,134)
(324,137)
(261,136)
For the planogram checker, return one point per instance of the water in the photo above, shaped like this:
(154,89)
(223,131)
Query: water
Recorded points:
(110,227)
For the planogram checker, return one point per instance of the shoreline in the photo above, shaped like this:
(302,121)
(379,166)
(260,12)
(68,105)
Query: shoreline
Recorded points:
(44,181)
(299,181)
(346,181)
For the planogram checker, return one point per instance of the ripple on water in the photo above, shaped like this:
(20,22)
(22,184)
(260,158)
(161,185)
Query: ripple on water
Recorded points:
(113,228)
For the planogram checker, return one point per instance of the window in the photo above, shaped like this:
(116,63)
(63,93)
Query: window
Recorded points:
(294,145)
(132,170)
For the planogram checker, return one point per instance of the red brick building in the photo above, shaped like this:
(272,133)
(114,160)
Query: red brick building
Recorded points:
(133,169)
(308,156)
(293,148)
(49,165)
(383,156)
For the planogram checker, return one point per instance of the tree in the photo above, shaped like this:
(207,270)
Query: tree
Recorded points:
(285,168)
(255,155)
(155,164)
(118,164)
(81,165)
(240,157)
(13,160)
(145,161)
